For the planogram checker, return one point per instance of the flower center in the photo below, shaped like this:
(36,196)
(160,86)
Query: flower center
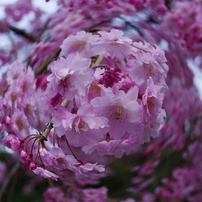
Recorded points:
(149,69)
(95,88)
(80,125)
(65,81)
(150,102)
(79,44)
(118,113)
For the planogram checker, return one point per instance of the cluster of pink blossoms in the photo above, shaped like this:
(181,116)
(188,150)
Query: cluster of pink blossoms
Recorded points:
(106,92)
(104,96)
(99,12)
(183,22)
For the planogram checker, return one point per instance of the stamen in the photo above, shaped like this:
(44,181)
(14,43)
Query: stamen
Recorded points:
(33,145)
(41,137)
(118,113)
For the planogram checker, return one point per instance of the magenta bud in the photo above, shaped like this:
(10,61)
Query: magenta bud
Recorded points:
(8,120)
(23,155)
(5,105)
(32,165)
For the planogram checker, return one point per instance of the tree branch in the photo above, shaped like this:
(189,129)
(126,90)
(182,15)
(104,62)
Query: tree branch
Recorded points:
(23,33)
(133,26)
(88,29)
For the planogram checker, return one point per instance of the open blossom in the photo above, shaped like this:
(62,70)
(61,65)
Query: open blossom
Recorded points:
(56,158)
(151,101)
(149,64)
(85,126)
(113,44)
(121,109)
(15,72)
(106,147)
(69,76)
(81,42)
(84,169)
(45,173)
(12,142)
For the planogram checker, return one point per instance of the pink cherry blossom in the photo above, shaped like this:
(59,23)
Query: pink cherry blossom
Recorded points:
(123,112)
(82,42)
(12,142)
(45,173)
(67,76)
(58,160)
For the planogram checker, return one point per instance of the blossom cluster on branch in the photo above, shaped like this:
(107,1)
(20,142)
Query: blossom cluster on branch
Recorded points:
(97,84)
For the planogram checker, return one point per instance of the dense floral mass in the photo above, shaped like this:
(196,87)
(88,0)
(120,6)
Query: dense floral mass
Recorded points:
(98,100)
(92,104)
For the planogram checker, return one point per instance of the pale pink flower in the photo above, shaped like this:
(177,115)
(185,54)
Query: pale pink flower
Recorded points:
(122,110)
(108,147)
(69,76)
(82,42)
(113,44)
(56,158)
(12,142)
(89,167)
(20,123)
(152,101)
(45,173)
(16,71)
(85,126)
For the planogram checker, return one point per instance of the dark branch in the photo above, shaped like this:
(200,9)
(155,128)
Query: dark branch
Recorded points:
(133,26)
(92,28)
(23,33)
(47,62)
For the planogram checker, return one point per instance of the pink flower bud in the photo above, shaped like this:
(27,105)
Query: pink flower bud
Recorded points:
(8,120)
(12,142)
(32,165)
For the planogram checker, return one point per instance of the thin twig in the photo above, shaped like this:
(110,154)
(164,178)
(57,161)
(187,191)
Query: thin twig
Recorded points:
(48,61)
(8,179)
(23,33)
(72,150)
(12,187)
(133,26)
(88,29)
(50,182)
(43,29)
